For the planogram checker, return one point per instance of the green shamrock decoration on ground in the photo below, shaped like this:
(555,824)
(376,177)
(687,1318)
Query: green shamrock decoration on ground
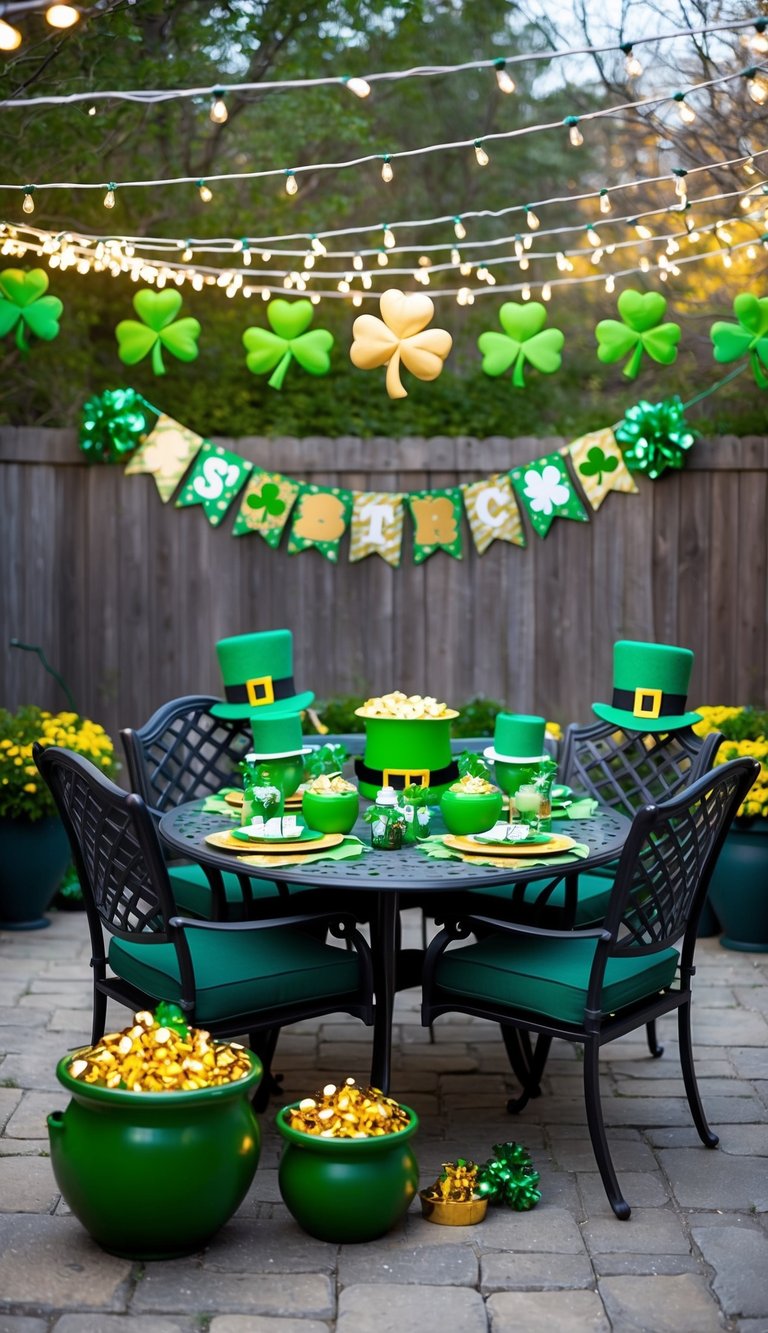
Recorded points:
(274,351)
(640,330)
(749,336)
(524,339)
(268,499)
(160,329)
(597,462)
(23,302)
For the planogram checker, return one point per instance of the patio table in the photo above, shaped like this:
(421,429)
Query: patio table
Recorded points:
(394,879)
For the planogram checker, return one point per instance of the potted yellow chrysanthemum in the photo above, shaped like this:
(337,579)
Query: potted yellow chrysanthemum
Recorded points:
(34,849)
(738,892)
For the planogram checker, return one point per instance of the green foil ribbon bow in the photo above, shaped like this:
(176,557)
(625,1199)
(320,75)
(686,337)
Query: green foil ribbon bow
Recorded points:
(510,1177)
(655,436)
(112,425)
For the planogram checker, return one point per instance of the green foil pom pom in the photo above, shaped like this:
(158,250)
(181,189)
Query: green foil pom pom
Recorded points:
(113,424)
(655,436)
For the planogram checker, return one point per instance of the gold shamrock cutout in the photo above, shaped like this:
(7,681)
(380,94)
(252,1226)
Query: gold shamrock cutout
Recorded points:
(400,335)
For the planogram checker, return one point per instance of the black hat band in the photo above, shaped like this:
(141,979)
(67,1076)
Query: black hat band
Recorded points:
(649,704)
(260,690)
(406,777)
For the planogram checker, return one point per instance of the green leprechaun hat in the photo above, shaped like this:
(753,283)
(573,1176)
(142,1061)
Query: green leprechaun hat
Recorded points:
(257,670)
(277,737)
(650,687)
(517,738)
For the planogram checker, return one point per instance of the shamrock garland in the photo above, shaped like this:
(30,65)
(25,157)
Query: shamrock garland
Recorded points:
(400,335)
(23,302)
(640,330)
(291,337)
(657,437)
(113,423)
(524,339)
(159,329)
(748,337)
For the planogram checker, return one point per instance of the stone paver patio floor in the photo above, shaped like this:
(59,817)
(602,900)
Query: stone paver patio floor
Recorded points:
(693,1258)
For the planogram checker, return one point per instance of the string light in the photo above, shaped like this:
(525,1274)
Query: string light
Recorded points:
(644,264)
(757,86)
(480,153)
(749,167)
(218,112)
(382,258)
(28,206)
(291,183)
(685,112)
(605,201)
(632,66)
(526,292)
(681,189)
(317,245)
(62,16)
(533,220)
(245,250)
(641,230)
(546,292)
(109,197)
(503,78)
(357,263)
(758,42)
(187,254)
(455,256)
(459,230)
(593,236)
(389,237)
(10,38)
(205,192)
(574,133)
(360,87)
(610,284)
(386,170)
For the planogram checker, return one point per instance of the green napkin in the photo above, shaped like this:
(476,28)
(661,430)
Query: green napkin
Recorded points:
(437,849)
(216,805)
(584,807)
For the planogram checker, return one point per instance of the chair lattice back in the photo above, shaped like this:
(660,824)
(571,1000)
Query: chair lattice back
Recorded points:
(118,858)
(184,752)
(628,769)
(668,858)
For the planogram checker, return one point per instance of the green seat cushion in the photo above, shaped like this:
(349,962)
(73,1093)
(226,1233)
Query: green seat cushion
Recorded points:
(240,972)
(192,892)
(550,977)
(591,903)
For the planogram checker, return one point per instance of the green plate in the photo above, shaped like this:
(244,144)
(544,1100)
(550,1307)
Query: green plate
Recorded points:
(561,793)
(305,835)
(513,842)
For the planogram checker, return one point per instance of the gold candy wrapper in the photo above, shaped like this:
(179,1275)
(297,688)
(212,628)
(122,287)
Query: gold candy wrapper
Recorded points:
(153,1057)
(408,707)
(324,785)
(348,1112)
(472,786)
(451,1201)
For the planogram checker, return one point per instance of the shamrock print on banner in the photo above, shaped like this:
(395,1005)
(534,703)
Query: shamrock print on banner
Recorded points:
(493,512)
(377,526)
(437,523)
(292,337)
(160,328)
(600,466)
(320,519)
(266,505)
(166,453)
(23,302)
(214,481)
(547,492)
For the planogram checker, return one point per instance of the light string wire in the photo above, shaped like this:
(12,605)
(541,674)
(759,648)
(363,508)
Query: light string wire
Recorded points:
(156,95)
(401,154)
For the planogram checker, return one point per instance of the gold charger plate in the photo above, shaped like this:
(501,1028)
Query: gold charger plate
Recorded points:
(235,798)
(227,843)
(559,842)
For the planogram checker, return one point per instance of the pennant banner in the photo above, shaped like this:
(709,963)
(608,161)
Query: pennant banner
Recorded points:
(320,519)
(547,492)
(267,502)
(437,521)
(493,512)
(214,481)
(599,466)
(377,526)
(167,453)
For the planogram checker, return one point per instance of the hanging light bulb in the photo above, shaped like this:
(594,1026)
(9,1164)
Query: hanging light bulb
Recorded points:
(561,261)
(206,194)
(610,284)
(10,38)
(382,259)
(751,252)
(62,16)
(546,292)
(681,189)
(758,42)
(526,292)
(245,251)
(317,245)
(597,255)
(480,153)
(723,234)
(28,206)
(218,112)
(727,261)
(644,264)
(524,263)
(503,78)
(459,230)
(605,201)
(360,87)
(309,260)
(386,170)
(357,299)
(389,237)
(291,183)
(465,270)
(642,231)
(109,197)
(632,66)
(592,236)
(757,86)
(749,166)
(455,256)
(187,254)
(685,112)
(357,263)
(574,133)
(534,222)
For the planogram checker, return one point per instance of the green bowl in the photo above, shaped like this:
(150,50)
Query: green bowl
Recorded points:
(467,813)
(335,813)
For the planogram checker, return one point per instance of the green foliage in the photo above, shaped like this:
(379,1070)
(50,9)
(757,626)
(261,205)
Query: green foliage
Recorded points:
(69,895)
(23,794)
(338,714)
(750,724)
(477,717)
(325,759)
(473,766)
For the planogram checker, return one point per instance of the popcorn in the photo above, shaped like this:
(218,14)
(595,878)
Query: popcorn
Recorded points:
(159,1053)
(406,707)
(324,785)
(348,1112)
(472,786)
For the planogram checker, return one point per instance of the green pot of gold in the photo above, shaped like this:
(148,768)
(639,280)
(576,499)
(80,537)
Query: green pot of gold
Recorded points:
(330,804)
(472,804)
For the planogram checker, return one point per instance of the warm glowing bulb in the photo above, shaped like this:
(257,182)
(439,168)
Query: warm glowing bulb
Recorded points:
(757,87)
(357,262)
(575,135)
(360,87)
(389,238)
(746,203)
(10,38)
(643,232)
(505,81)
(644,264)
(481,155)
(681,190)
(751,252)
(465,270)
(525,263)
(62,16)
(357,299)
(246,254)
(109,197)
(561,261)
(527,241)
(206,194)
(723,235)
(455,256)
(459,230)
(534,222)
(386,171)
(593,237)
(749,166)
(727,261)
(187,254)
(605,201)
(28,205)
(609,283)
(526,292)
(546,292)
(382,259)
(686,113)
(291,183)
(758,43)
(317,246)
(632,65)
(309,260)
(597,255)
(218,112)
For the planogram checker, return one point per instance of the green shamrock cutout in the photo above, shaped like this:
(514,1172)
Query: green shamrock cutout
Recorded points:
(597,462)
(524,339)
(749,336)
(640,330)
(22,302)
(274,351)
(268,499)
(160,329)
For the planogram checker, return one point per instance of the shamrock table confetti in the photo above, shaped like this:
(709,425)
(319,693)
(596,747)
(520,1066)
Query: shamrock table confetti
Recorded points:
(23,302)
(524,339)
(400,335)
(291,338)
(747,338)
(160,328)
(640,330)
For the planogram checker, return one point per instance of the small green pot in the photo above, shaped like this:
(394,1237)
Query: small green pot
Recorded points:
(154,1175)
(467,813)
(347,1190)
(335,813)
(738,890)
(33,857)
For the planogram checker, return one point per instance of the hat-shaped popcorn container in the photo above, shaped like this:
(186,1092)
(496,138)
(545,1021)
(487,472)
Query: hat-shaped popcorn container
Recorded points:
(407,743)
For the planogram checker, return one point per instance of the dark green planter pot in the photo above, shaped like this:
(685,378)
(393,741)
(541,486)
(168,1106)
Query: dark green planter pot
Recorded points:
(33,858)
(738,892)
(347,1190)
(154,1175)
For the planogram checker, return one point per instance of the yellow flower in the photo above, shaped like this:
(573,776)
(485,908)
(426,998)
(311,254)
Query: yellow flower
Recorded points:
(30,786)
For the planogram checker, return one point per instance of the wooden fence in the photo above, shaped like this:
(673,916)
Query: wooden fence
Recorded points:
(128,596)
